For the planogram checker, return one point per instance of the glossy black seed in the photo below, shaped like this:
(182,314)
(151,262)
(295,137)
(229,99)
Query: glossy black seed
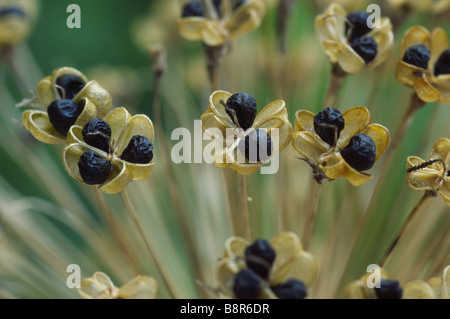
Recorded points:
(357,24)
(367,48)
(256,146)
(291,289)
(71,84)
(328,124)
(138,151)
(244,106)
(12,11)
(63,114)
(93,168)
(193,9)
(360,152)
(246,285)
(259,257)
(443,64)
(97,133)
(417,55)
(389,289)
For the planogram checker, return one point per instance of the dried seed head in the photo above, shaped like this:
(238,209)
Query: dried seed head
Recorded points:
(97,133)
(259,257)
(138,151)
(389,289)
(328,124)
(257,145)
(12,11)
(241,107)
(357,24)
(360,153)
(443,64)
(69,86)
(246,285)
(94,169)
(291,289)
(417,55)
(63,114)
(193,9)
(367,48)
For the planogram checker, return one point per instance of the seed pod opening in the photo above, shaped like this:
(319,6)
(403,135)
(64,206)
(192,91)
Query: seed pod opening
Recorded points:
(69,86)
(357,25)
(193,9)
(291,289)
(94,169)
(242,107)
(256,146)
(360,153)
(443,64)
(259,257)
(97,133)
(138,151)
(389,289)
(63,114)
(328,124)
(417,55)
(247,285)
(366,48)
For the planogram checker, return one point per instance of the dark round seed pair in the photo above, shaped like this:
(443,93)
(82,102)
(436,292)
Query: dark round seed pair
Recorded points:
(69,86)
(389,289)
(443,64)
(97,133)
(247,284)
(417,55)
(256,146)
(12,11)
(63,114)
(138,151)
(94,169)
(328,124)
(366,48)
(291,289)
(241,107)
(259,257)
(357,25)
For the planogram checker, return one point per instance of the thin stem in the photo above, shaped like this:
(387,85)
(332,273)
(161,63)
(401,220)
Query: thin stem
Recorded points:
(100,199)
(244,206)
(284,8)
(162,270)
(309,220)
(214,59)
(406,224)
(337,78)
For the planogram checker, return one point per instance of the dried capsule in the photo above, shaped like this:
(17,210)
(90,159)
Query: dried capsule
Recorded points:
(241,107)
(12,11)
(259,257)
(97,133)
(291,289)
(69,86)
(357,24)
(193,9)
(389,289)
(360,153)
(256,146)
(417,55)
(63,114)
(247,285)
(138,151)
(443,64)
(328,124)
(366,48)
(93,168)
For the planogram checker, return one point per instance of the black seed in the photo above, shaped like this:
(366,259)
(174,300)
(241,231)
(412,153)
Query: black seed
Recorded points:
(10,11)
(417,55)
(97,133)
(193,9)
(218,6)
(93,168)
(448,173)
(389,289)
(367,48)
(244,107)
(63,114)
(257,145)
(246,285)
(357,24)
(328,124)
(291,289)
(259,257)
(71,84)
(360,152)
(138,151)
(443,64)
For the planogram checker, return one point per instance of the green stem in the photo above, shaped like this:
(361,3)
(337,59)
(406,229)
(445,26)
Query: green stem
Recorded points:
(310,217)
(244,207)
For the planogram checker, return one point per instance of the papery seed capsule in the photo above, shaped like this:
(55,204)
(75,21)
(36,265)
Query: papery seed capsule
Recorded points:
(357,24)
(69,86)
(389,289)
(360,153)
(259,257)
(256,146)
(97,133)
(247,285)
(366,48)
(138,151)
(328,124)
(93,168)
(244,107)
(193,9)
(417,55)
(443,64)
(291,289)
(63,114)
(10,11)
